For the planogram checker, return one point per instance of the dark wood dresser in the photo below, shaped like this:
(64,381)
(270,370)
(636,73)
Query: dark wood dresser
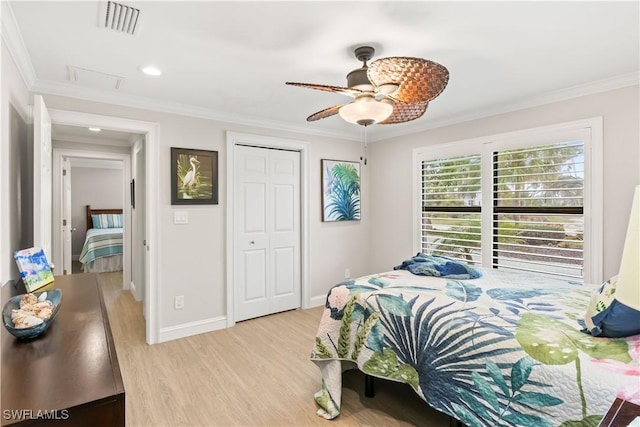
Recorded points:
(70,374)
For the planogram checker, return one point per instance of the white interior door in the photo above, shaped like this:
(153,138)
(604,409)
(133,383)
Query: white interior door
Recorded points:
(139,250)
(267,231)
(67,227)
(42,177)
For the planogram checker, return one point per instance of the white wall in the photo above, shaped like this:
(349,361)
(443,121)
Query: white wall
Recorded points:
(192,256)
(16,168)
(391,203)
(90,147)
(101,188)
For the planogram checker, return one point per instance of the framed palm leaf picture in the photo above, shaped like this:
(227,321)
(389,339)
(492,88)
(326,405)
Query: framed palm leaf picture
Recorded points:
(194,177)
(340,190)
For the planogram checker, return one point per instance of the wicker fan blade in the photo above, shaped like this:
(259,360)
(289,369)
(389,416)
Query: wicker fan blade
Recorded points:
(338,89)
(420,80)
(327,112)
(405,112)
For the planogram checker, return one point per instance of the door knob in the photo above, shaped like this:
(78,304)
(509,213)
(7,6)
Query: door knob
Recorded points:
(252,242)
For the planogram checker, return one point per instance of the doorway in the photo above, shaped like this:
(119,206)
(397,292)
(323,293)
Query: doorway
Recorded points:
(150,142)
(77,173)
(265,292)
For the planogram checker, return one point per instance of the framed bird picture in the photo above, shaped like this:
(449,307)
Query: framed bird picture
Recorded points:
(194,177)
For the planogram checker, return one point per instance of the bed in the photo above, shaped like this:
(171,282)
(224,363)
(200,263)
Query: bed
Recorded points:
(502,349)
(102,249)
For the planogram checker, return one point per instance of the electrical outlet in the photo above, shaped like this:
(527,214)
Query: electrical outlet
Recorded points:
(178,302)
(347,273)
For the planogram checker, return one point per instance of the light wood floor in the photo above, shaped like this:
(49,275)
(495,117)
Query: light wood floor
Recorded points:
(257,373)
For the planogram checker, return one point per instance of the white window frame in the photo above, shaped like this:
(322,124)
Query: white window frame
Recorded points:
(589,130)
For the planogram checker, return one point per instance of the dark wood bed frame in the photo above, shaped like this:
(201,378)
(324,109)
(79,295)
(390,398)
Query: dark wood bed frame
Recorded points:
(98,212)
(369,391)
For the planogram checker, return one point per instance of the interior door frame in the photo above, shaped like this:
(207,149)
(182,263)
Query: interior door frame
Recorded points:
(42,197)
(65,235)
(234,139)
(137,183)
(152,177)
(59,154)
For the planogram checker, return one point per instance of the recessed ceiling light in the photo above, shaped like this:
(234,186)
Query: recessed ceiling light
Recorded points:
(151,71)
(95,129)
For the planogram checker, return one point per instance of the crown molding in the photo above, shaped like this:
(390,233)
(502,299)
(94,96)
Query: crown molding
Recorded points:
(110,97)
(15,45)
(592,88)
(73,91)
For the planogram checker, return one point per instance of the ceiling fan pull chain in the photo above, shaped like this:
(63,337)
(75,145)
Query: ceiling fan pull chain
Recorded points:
(365,145)
(362,144)
(363,156)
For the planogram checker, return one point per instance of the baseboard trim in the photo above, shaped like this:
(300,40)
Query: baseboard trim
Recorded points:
(134,291)
(317,301)
(192,328)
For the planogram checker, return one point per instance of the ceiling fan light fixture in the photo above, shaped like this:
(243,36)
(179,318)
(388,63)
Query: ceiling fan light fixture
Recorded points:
(390,90)
(365,111)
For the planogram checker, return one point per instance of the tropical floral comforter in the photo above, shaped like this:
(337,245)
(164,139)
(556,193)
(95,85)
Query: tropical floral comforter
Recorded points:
(504,349)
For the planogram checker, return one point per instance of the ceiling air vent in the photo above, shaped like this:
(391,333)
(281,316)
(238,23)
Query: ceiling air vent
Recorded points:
(94,79)
(120,17)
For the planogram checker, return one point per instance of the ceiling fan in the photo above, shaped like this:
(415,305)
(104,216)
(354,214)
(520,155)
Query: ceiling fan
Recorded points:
(390,90)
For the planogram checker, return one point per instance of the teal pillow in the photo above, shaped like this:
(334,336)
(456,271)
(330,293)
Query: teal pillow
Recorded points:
(608,317)
(107,221)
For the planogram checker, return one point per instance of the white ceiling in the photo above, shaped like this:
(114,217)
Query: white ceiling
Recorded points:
(229,60)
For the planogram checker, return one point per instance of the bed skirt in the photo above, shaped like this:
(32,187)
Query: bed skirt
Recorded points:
(104,264)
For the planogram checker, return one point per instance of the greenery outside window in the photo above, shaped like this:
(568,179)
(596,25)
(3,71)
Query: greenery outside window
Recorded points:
(538,211)
(451,196)
(515,201)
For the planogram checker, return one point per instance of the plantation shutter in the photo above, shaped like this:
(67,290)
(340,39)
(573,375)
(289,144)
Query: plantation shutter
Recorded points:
(538,206)
(451,203)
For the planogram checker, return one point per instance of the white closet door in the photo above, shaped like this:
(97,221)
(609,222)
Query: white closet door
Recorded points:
(267,231)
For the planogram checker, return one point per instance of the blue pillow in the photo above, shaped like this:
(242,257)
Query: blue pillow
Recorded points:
(608,317)
(107,221)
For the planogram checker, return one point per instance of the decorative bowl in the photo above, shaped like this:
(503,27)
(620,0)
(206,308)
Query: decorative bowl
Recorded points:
(55,296)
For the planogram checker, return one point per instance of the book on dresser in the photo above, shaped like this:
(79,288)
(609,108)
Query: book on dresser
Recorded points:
(34,268)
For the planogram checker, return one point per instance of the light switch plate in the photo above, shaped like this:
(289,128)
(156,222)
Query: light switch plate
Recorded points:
(181,217)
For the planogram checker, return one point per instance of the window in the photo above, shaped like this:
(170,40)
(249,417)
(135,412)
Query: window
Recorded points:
(516,201)
(451,207)
(538,210)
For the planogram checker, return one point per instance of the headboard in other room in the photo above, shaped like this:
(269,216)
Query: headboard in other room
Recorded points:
(98,212)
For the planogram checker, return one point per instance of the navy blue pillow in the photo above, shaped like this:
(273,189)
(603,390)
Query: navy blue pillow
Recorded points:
(608,317)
